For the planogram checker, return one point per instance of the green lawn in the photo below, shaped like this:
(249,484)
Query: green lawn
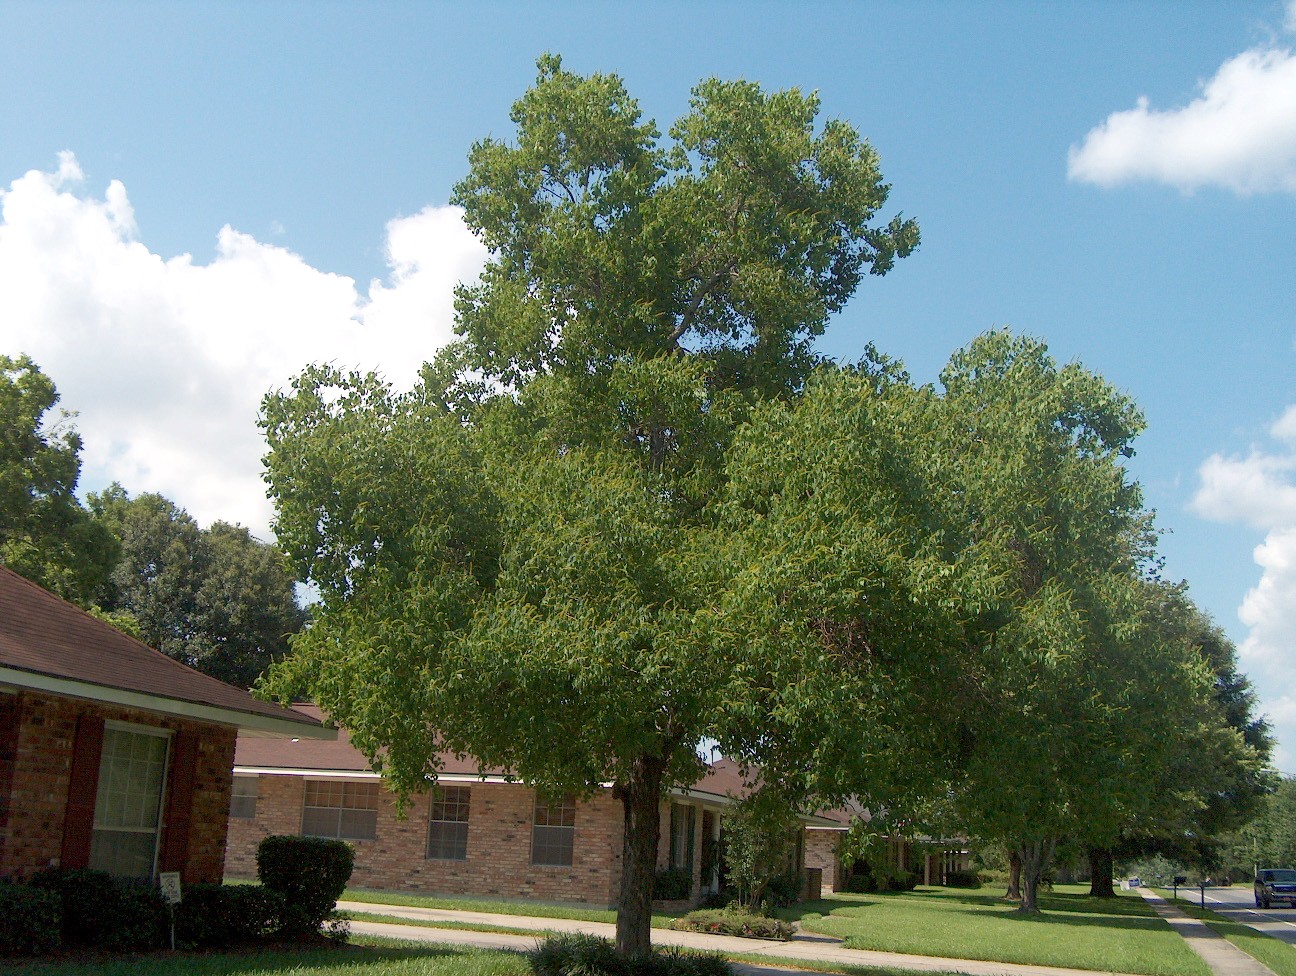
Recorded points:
(535,909)
(364,957)
(437,924)
(1274,953)
(1121,934)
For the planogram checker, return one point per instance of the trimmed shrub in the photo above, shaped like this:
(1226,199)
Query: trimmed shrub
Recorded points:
(860,884)
(673,884)
(100,911)
(213,916)
(140,918)
(33,920)
(578,954)
(310,873)
(784,889)
(85,898)
(734,920)
(901,880)
(962,879)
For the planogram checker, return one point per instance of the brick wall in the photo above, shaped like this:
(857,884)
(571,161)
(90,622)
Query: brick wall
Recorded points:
(499,845)
(37,764)
(821,852)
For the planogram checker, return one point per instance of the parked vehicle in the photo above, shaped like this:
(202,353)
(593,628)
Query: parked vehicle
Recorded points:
(1275,886)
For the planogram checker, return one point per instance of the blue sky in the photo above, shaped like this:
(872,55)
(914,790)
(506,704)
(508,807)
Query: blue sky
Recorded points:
(199,199)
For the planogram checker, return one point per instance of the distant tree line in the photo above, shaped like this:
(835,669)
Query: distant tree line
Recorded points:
(215,598)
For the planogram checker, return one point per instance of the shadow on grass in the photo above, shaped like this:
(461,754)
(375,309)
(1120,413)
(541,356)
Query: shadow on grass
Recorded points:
(263,961)
(1129,922)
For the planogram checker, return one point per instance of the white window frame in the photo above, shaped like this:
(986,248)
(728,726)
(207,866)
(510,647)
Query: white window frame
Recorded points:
(255,795)
(132,728)
(342,784)
(541,833)
(433,822)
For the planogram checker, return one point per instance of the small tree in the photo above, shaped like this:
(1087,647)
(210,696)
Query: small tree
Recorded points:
(759,840)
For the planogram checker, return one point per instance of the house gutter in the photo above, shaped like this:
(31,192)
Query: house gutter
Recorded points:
(251,723)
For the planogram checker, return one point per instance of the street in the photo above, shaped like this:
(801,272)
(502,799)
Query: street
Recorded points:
(1237,903)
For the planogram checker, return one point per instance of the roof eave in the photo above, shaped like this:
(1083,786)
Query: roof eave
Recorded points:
(249,723)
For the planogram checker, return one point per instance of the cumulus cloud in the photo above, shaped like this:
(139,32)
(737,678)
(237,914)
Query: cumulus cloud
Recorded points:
(166,360)
(1239,133)
(1260,490)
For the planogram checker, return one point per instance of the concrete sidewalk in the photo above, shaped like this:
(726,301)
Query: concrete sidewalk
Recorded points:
(1221,955)
(804,948)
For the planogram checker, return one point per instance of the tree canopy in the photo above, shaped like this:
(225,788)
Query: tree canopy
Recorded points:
(216,599)
(633,510)
(538,524)
(45,533)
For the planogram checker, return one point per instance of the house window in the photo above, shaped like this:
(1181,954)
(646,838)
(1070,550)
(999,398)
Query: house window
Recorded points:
(553,832)
(683,821)
(243,799)
(128,802)
(448,830)
(341,810)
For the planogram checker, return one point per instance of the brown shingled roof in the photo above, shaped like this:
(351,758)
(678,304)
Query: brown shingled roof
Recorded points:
(723,777)
(338,756)
(42,636)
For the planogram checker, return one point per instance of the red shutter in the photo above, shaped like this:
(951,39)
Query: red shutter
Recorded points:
(83,783)
(179,804)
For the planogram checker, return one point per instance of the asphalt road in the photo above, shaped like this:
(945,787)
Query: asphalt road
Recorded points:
(1238,904)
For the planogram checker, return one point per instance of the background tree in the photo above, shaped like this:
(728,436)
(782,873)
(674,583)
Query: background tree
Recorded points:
(1216,776)
(1268,839)
(1068,659)
(554,547)
(216,599)
(45,533)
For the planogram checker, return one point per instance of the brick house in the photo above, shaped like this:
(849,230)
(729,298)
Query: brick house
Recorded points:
(930,860)
(113,755)
(477,834)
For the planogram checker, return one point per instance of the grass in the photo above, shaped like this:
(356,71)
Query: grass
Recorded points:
(364,957)
(427,923)
(1274,953)
(1122,934)
(535,909)
(785,963)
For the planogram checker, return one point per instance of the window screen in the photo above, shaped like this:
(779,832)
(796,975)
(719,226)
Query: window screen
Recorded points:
(553,832)
(344,811)
(128,803)
(448,830)
(243,799)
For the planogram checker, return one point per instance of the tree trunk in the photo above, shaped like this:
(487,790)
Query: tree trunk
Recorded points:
(1101,870)
(1014,876)
(641,798)
(1035,856)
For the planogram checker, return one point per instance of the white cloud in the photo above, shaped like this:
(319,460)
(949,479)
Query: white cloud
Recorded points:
(1240,133)
(166,360)
(1260,490)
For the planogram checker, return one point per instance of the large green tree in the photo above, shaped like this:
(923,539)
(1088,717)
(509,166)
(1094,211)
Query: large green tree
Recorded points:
(540,524)
(45,533)
(1068,662)
(217,599)
(1217,776)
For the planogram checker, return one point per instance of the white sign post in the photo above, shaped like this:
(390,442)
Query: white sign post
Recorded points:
(169,881)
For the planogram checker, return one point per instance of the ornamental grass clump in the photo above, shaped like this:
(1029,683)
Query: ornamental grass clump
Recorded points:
(735,920)
(578,954)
